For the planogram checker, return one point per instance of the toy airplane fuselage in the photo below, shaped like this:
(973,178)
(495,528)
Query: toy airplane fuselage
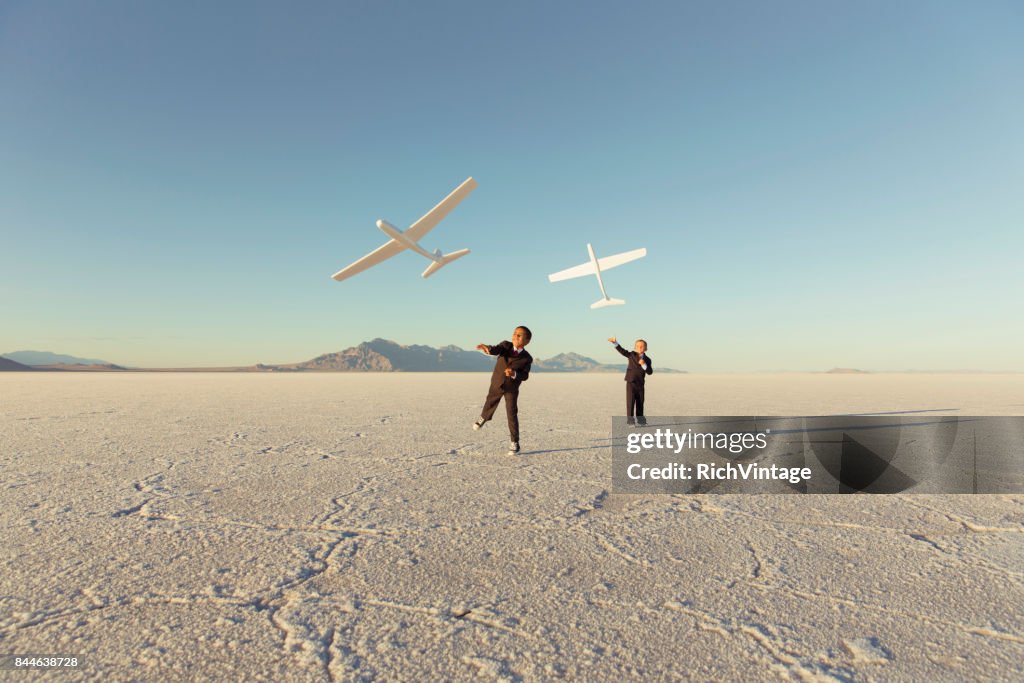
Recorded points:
(594,267)
(409,239)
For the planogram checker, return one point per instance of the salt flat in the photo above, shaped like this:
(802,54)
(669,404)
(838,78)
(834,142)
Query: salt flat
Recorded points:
(349,527)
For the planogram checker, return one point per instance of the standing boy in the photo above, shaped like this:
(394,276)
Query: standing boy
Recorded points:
(637,369)
(511,369)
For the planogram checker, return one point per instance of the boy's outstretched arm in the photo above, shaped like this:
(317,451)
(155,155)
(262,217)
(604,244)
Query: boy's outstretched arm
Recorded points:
(622,351)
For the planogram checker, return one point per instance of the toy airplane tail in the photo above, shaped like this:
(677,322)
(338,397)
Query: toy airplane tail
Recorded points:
(601,303)
(444,260)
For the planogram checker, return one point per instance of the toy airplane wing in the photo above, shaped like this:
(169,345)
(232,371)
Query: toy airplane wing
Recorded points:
(604,264)
(618,259)
(435,215)
(379,254)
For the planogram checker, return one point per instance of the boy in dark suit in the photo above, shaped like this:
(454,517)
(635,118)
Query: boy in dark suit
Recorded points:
(637,369)
(511,369)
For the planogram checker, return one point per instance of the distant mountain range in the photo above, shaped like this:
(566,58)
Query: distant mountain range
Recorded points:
(50,358)
(379,355)
(6,364)
(383,355)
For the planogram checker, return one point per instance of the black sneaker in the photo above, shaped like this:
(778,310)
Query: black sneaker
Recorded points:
(479,423)
(513,448)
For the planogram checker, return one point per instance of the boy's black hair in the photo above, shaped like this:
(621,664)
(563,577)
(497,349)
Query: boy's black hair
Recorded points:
(642,340)
(524,328)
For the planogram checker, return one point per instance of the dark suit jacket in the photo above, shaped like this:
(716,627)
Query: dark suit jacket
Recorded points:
(634,373)
(521,364)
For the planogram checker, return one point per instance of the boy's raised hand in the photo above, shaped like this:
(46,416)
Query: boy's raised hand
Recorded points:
(483,347)
(612,340)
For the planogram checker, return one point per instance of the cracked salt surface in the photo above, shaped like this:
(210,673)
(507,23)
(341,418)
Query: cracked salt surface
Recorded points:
(353,527)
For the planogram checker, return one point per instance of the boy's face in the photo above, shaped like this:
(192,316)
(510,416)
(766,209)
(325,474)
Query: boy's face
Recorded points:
(640,347)
(519,338)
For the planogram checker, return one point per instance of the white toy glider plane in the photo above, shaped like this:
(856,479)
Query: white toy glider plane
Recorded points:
(594,267)
(400,241)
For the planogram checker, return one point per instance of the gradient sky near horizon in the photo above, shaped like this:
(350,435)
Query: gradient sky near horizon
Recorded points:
(818,184)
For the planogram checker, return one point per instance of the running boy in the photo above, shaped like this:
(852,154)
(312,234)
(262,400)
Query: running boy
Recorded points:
(511,369)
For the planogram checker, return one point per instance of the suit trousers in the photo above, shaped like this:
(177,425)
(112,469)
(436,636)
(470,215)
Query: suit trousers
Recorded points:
(511,409)
(635,403)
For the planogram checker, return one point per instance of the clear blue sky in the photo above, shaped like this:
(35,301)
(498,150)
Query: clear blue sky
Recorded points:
(818,184)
